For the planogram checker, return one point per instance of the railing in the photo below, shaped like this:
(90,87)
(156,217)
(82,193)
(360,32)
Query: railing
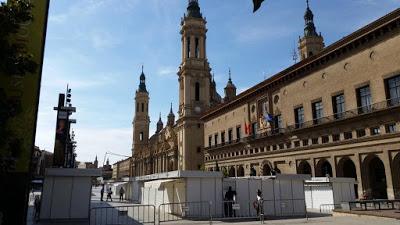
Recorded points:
(328,208)
(184,210)
(390,103)
(126,215)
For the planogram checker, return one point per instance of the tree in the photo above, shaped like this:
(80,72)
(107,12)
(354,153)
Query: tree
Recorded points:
(14,61)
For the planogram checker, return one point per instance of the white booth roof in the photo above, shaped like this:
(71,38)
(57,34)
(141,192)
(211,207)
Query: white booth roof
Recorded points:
(180,174)
(69,172)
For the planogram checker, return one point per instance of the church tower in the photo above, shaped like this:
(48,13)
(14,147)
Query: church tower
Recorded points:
(141,120)
(96,162)
(194,88)
(160,125)
(312,42)
(230,89)
(171,118)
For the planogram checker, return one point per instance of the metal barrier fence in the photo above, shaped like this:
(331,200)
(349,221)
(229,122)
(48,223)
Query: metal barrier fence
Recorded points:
(231,210)
(227,210)
(126,215)
(328,208)
(184,210)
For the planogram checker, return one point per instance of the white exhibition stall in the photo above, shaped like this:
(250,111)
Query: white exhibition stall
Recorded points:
(283,194)
(67,193)
(328,191)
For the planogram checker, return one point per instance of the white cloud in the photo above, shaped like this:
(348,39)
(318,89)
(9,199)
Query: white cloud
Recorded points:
(90,7)
(97,141)
(261,33)
(91,141)
(168,71)
(102,40)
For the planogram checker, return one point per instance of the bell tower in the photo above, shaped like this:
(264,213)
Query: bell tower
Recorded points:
(141,120)
(194,88)
(312,42)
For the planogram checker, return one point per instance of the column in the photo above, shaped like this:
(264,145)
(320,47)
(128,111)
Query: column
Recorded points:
(357,162)
(202,47)
(192,46)
(388,173)
(183,48)
(312,164)
(333,164)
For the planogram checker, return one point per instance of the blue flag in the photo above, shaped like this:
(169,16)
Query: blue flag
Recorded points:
(268,117)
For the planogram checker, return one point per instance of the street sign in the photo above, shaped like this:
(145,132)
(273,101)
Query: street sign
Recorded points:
(236,206)
(185,208)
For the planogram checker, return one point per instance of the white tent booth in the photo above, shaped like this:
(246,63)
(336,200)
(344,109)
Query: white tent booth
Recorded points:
(202,193)
(328,192)
(283,194)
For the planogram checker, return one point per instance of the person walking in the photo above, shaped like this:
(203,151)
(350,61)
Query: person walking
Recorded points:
(230,198)
(36,203)
(121,194)
(109,193)
(258,203)
(102,192)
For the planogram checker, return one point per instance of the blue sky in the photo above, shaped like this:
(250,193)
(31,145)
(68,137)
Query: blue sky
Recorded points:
(98,47)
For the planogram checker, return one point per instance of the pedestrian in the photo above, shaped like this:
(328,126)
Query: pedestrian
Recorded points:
(102,192)
(109,193)
(37,208)
(121,194)
(230,198)
(258,203)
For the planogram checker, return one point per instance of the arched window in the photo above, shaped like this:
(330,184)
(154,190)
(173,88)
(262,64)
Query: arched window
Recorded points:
(197,91)
(188,47)
(137,107)
(196,49)
(142,107)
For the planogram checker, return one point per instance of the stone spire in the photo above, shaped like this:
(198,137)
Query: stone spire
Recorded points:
(160,125)
(309,29)
(142,84)
(96,163)
(230,89)
(312,42)
(193,9)
(171,117)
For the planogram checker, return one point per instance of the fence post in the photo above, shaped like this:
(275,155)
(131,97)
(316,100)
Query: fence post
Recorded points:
(209,211)
(159,218)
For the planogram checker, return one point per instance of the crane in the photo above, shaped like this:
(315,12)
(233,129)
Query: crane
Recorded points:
(111,153)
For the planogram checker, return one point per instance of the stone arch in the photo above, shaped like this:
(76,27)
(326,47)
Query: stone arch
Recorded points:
(232,172)
(374,177)
(267,168)
(240,172)
(304,168)
(347,168)
(323,168)
(396,175)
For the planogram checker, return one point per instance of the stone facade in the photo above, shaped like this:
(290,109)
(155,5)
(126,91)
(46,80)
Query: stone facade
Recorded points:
(122,169)
(335,113)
